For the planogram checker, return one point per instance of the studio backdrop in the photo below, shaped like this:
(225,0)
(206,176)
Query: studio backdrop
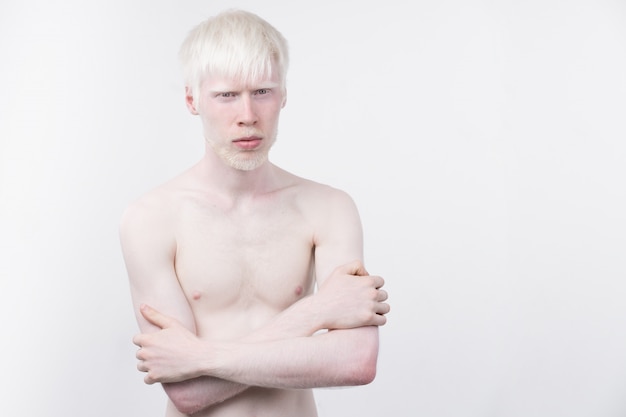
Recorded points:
(483,141)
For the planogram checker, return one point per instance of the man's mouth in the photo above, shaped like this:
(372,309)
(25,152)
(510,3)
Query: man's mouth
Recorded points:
(248,143)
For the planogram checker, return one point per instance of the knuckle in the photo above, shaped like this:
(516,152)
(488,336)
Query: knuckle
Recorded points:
(368,316)
(372,294)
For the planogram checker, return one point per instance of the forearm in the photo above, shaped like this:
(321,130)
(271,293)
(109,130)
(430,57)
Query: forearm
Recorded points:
(301,319)
(350,301)
(337,358)
(199,393)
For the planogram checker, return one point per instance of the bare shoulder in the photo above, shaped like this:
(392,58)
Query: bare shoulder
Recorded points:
(309,190)
(322,201)
(323,197)
(150,207)
(152,212)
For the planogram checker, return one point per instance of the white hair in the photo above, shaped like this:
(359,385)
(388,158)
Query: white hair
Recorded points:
(236,44)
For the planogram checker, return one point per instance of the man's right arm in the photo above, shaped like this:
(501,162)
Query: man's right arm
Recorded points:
(149,247)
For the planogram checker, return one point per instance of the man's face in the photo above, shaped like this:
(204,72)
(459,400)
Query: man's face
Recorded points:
(240,120)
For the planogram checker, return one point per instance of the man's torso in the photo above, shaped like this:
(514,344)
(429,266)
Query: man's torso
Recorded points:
(240,264)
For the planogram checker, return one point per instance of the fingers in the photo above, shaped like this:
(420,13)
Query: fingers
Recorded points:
(383,308)
(142,358)
(145,340)
(377,281)
(142,366)
(379,320)
(156,318)
(138,340)
(357,268)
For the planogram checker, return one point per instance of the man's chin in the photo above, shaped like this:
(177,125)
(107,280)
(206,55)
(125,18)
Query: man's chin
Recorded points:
(242,164)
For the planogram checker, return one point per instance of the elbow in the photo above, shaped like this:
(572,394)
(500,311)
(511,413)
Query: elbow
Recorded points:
(184,404)
(361,369)
(364,372)
(183,399)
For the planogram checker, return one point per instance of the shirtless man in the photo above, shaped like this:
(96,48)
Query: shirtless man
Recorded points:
(224,259)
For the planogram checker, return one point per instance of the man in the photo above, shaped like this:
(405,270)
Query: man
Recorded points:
(223,260)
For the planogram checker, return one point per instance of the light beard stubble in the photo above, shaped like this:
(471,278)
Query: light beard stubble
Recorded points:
(243,160)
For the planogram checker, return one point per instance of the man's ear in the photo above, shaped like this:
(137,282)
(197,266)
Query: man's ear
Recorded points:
(282,106)
(191,105)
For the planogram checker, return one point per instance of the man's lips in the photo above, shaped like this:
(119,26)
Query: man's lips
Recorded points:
(250,142)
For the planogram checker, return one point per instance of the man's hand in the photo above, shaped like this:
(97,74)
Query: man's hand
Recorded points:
(169,354)
(351,298)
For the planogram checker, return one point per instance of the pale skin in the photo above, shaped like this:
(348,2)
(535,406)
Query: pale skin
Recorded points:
(223,261)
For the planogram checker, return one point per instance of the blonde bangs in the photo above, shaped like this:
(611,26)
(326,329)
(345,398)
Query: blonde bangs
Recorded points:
(234,44)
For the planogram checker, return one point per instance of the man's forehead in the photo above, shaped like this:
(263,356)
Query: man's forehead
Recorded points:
(225,83)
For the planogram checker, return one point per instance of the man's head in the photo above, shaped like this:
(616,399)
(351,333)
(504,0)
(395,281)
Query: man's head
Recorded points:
(234,44)
(235,66)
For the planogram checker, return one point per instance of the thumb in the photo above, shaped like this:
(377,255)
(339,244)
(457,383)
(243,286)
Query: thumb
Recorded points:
(153,316)
(355,268)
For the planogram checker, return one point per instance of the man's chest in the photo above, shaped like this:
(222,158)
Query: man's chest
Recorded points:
(239,262)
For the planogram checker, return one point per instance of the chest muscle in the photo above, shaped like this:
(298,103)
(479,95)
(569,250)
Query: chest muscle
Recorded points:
(242,265)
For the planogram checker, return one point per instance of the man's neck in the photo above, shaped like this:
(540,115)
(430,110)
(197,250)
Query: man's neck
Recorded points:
(233,183)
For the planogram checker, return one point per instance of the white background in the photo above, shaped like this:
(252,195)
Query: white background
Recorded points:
(483,141)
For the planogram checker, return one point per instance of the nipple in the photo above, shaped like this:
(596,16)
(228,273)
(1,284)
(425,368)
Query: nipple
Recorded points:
(196,295)
(298,290)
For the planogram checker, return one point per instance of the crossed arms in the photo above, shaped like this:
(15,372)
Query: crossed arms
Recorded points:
(285,353)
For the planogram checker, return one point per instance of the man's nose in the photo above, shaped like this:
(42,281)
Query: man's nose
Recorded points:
(247,112)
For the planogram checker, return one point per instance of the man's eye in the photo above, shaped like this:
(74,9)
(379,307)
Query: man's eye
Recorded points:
(263,91)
